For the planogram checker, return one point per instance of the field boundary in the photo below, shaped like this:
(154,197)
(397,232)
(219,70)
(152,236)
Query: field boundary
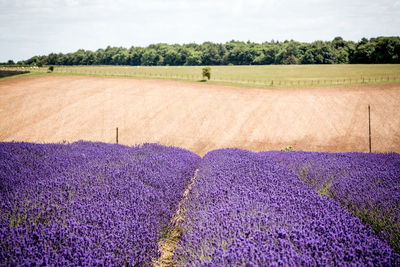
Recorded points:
(262,79)
(212,82)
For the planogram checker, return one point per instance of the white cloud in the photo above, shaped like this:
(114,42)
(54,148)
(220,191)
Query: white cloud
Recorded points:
(42,26)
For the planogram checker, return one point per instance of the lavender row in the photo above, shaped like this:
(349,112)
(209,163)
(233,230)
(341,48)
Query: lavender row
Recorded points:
(366,184)
(244,208)
(88,203)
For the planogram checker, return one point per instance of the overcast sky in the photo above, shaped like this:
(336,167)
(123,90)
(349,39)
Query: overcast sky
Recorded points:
(39,27)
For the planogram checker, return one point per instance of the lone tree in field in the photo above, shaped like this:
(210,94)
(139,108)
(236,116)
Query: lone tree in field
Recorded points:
(206,72)
(51,68)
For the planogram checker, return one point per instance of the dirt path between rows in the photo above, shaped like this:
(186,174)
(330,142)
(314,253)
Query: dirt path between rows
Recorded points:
(167,246)
(199,116)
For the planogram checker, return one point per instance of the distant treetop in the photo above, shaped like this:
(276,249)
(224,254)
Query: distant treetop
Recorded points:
(338,51)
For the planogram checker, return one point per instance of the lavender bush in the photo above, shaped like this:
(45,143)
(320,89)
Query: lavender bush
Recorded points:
(245,208)
(88,203)
(366,184)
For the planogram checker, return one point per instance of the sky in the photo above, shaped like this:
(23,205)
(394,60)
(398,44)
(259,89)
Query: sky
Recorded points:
(40,27)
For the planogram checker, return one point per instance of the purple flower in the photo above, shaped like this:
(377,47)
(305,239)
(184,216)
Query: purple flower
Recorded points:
(249,209)
(88,203)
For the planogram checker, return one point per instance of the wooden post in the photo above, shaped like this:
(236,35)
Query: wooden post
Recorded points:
(369,126)
(116,137)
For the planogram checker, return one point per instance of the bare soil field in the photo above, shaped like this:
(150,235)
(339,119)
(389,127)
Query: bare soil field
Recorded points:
(199,116)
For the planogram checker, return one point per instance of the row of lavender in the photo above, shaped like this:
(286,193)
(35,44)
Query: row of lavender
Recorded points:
(88,203)
(245,208)
(366,184)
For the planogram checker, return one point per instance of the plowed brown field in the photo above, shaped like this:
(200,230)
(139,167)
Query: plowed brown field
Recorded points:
(197,116)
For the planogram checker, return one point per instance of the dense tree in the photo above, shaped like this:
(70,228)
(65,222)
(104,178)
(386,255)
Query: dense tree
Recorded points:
(387,51)
(268,52)
(240,53)
(135,56)
(307,58)
(288,53)
(120,58)
(194,58)
(51,59)
(212,54)
(171,57)
(364,52)
(337,51)
(150,57)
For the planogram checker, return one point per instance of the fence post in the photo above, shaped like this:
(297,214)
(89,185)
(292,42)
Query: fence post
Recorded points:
(369,127)
(116,137)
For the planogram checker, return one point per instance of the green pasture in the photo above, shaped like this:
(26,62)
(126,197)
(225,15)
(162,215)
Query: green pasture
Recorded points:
(261,76)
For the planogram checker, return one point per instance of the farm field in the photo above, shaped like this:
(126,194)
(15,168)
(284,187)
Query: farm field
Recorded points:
(258,76)
(86,204)
(247,209)
(348,179)
(199,133)
(102,204)
(89,203)
(197,116)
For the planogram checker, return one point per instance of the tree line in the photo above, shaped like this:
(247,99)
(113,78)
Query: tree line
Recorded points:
(374,50)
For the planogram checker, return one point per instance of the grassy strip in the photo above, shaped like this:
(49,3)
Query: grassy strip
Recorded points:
(253,76)
(170,238)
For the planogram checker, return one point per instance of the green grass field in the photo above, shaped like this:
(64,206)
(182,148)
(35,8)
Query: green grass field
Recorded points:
(262,76)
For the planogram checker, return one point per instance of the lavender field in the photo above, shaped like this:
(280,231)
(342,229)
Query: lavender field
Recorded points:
(88,203)
(366,184)
(100,204)
(246,208)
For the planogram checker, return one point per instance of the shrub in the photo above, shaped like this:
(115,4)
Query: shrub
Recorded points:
(206,72)
(288,148)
